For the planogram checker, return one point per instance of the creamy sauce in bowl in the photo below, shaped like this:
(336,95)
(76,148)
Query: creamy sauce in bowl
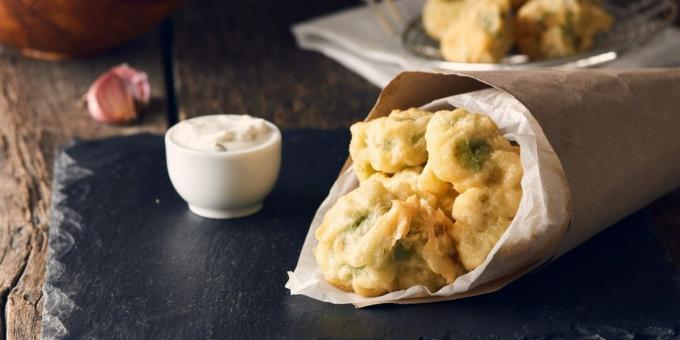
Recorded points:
(222,133)
(223,166)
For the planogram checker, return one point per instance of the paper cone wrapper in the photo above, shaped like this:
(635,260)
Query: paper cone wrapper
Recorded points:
(596,145)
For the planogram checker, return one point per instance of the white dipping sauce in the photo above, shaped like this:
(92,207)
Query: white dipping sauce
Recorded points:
(222,133)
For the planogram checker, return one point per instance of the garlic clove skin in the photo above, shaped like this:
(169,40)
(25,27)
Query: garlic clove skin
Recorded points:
(137,81)
(109,100)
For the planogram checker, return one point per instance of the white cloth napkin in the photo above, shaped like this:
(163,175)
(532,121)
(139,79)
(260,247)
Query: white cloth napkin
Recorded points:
(355,39)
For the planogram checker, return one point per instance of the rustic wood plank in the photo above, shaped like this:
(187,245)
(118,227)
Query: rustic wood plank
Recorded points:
(240,57)
(39,109)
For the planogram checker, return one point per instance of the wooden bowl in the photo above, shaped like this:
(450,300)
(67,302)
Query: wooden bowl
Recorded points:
(61,29)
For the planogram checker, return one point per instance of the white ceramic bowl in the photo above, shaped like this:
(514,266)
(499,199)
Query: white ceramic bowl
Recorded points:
(224,184)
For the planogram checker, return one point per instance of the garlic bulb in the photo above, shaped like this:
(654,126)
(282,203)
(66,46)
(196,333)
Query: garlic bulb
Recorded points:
(111,98)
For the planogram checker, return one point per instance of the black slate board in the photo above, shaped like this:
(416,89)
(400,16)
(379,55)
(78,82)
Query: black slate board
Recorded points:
(128,260)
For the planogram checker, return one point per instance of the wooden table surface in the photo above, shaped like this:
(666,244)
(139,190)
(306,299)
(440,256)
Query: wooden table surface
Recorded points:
(211,56)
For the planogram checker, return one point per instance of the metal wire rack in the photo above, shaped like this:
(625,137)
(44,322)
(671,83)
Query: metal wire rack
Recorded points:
(636,22)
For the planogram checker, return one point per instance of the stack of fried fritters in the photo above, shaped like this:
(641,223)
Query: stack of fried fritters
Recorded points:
(437,190)
(483,31)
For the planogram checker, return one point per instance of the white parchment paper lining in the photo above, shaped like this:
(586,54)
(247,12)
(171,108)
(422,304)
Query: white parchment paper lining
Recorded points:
(530,240)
